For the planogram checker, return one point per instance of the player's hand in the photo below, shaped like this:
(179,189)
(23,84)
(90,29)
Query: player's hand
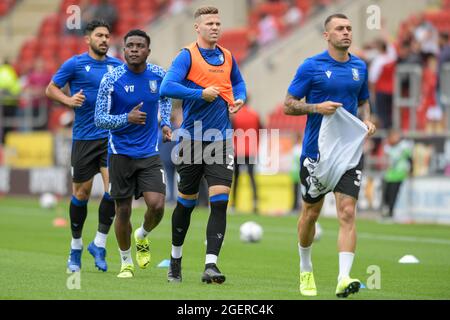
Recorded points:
(136,116)
(167,134)
(76,100)
(371,127)
(236,107)
(210,94)
(328,107)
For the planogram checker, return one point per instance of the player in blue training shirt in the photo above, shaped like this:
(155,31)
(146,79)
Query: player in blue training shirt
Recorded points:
(330,80)
(127,104)
(83,74)
(206,77)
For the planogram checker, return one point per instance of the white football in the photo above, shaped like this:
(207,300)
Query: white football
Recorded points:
(48,200)
(319,232)
(250,231)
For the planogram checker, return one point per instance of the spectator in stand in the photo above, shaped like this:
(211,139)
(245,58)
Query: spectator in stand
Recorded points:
(9,93)
(444,58)
(293,16)
(267,30)
(177,6)
(428,37)
(409,52)
(106,11)
(381,81)
(319,5)
(398,154)
(429,114)
(444,47)
(33,96)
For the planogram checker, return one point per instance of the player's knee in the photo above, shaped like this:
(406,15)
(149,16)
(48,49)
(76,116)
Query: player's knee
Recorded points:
(311,213)
(312,216)
(347,214)
(81,194)
(123,211)
(156,208)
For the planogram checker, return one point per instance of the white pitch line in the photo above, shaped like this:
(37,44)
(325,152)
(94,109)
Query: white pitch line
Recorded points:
(383,237)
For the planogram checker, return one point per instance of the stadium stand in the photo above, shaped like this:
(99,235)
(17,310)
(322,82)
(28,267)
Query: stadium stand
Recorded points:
(6,6)
(54,46)
(241,41)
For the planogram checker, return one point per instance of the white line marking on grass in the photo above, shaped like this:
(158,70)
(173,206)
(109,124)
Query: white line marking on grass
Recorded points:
(384,237)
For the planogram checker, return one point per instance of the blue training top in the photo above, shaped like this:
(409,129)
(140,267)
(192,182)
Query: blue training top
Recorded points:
(121,91)
(212,115)
(321,78)
(82,72)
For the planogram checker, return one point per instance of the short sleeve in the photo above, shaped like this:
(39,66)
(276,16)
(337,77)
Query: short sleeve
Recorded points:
(65,73)
(364,91)
(301,84)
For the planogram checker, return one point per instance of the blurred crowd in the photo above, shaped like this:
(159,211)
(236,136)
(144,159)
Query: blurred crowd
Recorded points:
(418,44)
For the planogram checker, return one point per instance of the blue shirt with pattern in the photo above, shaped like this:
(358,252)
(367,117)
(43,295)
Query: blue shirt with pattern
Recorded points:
(120,91)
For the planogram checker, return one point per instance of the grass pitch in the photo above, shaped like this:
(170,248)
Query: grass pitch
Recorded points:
(33,257)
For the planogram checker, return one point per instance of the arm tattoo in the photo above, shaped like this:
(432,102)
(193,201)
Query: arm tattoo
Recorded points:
(296,107)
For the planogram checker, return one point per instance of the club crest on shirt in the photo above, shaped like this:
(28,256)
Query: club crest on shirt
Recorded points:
(153,86)
(110,67)
(221,58)
(355,74)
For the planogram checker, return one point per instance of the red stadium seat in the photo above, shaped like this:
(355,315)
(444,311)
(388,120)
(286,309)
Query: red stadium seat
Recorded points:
(51,65)
(50,42)
(277,9)
(51,26)
(27,54)
(49,45)
(237,41)
(304,5)
(6,6)
(66,3)
(69,42)
(47,53)
(65,54)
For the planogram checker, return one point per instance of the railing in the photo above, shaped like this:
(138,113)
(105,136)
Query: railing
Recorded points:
(407,93)
(25,118)
(444,90)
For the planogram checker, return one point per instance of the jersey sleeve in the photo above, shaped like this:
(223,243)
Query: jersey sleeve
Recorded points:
(364,91)
(165,110)
(239,88)
(164,103)
(301,84)
(65,73)
(103,106)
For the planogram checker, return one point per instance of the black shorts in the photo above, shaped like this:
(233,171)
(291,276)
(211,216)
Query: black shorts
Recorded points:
(130,177)
(213,160)
(87,157)
(349,184)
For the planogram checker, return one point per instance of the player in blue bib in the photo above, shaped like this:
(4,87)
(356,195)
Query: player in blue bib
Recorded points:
(330,80)
(83,73)
(127,104)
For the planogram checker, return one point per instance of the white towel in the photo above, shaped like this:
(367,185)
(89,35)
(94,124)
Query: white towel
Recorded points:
(341,139)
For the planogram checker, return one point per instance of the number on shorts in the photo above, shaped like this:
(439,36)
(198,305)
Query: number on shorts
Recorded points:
(230,165)
(358,178)
(163,176)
